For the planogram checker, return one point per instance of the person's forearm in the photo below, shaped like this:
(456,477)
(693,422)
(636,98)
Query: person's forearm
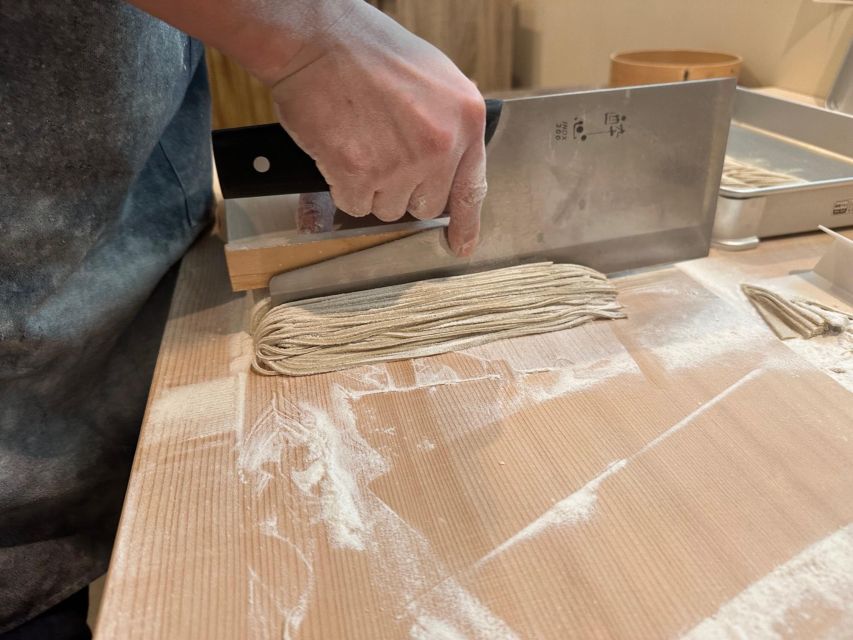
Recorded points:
(351,88)
(263,35)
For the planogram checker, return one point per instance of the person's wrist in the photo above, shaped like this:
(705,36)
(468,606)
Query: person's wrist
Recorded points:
(292,35)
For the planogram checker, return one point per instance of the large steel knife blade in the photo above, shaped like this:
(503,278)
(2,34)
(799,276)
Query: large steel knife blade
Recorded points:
(610,178)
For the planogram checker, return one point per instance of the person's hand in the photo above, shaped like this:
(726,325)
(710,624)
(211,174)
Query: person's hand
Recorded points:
(393,125)
(391,122)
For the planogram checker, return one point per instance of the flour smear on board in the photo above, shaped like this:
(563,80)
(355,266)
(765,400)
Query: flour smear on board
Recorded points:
(337,468)
(580,505)
(818,579)
(338,465)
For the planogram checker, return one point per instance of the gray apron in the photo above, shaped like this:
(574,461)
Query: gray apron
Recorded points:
(104,183)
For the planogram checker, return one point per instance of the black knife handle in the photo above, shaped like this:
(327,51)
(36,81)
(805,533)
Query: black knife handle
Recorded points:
(493,115)
(263,160)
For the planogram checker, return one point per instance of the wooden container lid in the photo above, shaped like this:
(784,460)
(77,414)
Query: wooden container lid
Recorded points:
(670,65)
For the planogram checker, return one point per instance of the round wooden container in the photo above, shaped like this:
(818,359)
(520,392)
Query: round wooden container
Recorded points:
(676,65)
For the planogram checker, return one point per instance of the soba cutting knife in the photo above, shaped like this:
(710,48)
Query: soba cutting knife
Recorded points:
(612,178)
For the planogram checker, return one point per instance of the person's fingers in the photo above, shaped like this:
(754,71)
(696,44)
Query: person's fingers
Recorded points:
(390,205)
(315,213)
(355,201)
(429,199)
(466,200)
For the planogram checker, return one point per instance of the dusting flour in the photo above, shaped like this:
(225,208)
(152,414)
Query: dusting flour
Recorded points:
(291,609)
(831,354)
(429,628)
(426,445)
(580,505)
(503,387)
(713,332)
(331,467)
(333,480)
(448,608)
(240,352)
(820,578)
(211,408)
(561,381)
(337,464)
(577,508)
(427,373)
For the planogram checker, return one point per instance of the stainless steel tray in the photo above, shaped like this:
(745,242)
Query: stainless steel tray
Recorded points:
(811,144)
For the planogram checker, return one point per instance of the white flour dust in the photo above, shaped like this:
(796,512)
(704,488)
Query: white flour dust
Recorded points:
(818,579)
(211,408)
(692,334)
(295,612)
(722,278)
(449,608)
(331,466)
(393,388)
(338,464)
(429,628)
(686,420)
(493,390)
(405,564)
(831,354)
(240,352)
(262,599)
(579,506)
(259,451)
(333,481)
(714,332)
(562,381)
(428,373)
(501,387)
(426,445)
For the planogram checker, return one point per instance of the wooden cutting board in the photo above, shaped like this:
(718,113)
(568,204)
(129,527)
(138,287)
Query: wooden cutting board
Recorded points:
(677,473)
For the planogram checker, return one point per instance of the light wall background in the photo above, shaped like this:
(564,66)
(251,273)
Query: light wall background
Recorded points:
(794,44)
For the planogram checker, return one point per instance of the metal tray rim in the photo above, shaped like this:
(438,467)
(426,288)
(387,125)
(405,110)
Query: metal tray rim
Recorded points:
(755,192)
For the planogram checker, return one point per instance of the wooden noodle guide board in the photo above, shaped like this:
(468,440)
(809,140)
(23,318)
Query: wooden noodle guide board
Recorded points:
(263,241)
(675,473)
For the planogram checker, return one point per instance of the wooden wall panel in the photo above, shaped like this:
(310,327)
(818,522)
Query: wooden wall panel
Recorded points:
(238,98)
(475,34)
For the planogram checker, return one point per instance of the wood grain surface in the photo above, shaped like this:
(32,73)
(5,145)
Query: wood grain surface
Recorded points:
(678,473)
(476,34)
(238,99)
(252,262)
